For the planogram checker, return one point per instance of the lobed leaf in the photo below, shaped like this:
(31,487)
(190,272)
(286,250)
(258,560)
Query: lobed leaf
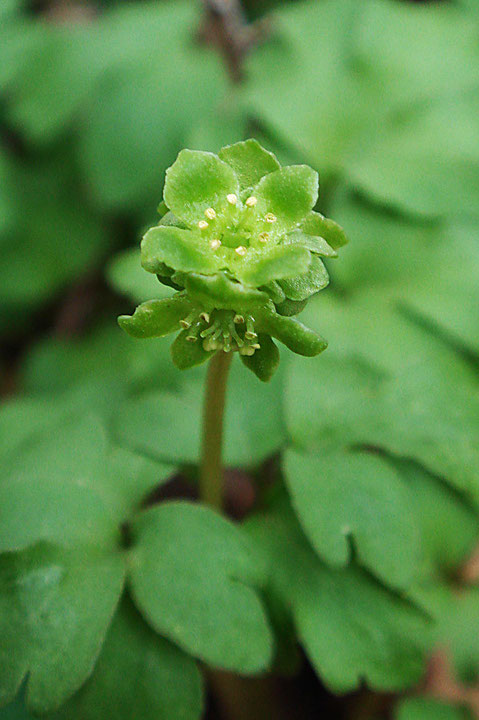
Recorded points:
(345,498)
(56,607)
(138,674)
(193,576)
(351,627)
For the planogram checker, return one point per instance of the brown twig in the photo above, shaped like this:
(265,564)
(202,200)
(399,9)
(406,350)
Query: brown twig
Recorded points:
(227,29)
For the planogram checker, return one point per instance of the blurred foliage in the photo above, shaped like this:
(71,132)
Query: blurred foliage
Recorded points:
(380,96)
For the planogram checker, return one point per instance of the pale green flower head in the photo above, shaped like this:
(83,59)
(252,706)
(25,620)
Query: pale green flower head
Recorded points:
(241,244)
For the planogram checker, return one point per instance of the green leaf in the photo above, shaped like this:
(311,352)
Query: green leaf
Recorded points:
(156,318)
(177,248)
(167,427)
(50,491)
(352,628)
(63,483)
(126,276)
(111,357)
(250,162)
(289,193)
(138,674)
(457,632)
(129,479)
(436,505)
(421,708)
(430,393)
(299,288)
(280,261)
(55,610)
(291,332)
(197,181)
(16,711)
(265,361)
(187,354)
(192,575)
(150,96)
(344,499)
(428,167)
(55,82)
(66,240)
(217,291)
(316,224)
(310,53)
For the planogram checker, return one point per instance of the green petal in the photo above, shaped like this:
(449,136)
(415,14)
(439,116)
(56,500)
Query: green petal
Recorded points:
(177,248)
(156,318)
(296,336)
(279,261)
(217,291)
(313,243)
(289,193)
(186,354)
(291,307)
(312,281)
(275,292)
(317,224)
(250,162)
(196,181)
(265,361)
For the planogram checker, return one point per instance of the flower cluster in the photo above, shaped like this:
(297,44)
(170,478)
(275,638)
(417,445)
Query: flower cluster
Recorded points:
(241,245)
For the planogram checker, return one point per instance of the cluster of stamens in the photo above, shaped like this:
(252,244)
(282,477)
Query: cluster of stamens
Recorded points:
(235,224)
(222,330)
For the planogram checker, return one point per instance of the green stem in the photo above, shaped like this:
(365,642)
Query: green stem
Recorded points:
(211,468)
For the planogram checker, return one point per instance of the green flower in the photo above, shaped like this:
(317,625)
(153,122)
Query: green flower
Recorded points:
(240,243)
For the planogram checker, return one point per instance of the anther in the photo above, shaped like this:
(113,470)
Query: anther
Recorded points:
(240,250)
(186,322)
(247,350)
(264,237)
(270,218)
(232,199)
(205,317)
(191,338)
(250,333)
(238,319)
(202,224)
(215,244)
(210,213)
(251,201)
(256,346)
